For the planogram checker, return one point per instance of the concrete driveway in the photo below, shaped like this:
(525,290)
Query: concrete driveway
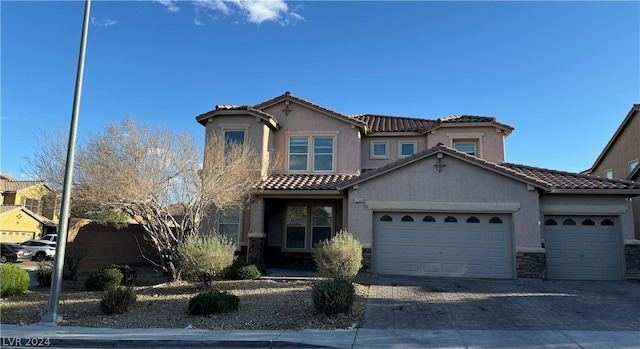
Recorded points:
(477,304)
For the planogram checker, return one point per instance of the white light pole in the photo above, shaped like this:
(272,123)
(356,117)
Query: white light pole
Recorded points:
(56,281)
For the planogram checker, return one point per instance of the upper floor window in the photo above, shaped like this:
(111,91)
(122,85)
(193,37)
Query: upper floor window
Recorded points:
(407,149)
(468,147)
(321,154)
(379,150)
(233,137)
(608,174)
(632,165)
(33,205)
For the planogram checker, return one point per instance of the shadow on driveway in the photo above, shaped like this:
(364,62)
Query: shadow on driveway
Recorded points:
(397,302)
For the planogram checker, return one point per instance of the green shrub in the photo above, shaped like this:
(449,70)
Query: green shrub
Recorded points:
(118,300)
(129,274)
(241,270)
(205,258)
(104,279)
(213,302)
(339,256)
(13,280)
(333,296)
(248,272)
(45,273)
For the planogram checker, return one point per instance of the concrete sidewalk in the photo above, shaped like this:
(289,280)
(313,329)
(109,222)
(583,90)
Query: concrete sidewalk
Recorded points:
(84,337)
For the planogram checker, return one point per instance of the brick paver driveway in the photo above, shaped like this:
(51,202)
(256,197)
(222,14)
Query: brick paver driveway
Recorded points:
(478,304)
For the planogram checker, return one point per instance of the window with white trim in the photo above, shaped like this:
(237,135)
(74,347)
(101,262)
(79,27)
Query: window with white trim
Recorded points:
(306,225)
(229,223)
(608,174)
(379,150)
(406,149)
(316,153)
(465,146)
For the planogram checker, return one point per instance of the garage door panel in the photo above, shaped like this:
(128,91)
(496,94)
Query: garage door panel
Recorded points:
(442,248)
(583,252)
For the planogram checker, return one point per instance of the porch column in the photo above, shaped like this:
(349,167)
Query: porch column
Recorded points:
(257,237)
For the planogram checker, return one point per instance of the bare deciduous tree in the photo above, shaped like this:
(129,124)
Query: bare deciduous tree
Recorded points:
(158,178)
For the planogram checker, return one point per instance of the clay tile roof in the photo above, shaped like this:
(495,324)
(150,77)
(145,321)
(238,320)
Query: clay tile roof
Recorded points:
(8,208)
(288,96)
(386,123)
(303,182)
(472,118)
(223,107)
(567,180)
(12,186)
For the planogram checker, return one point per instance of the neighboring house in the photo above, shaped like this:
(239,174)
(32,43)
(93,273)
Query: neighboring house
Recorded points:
(25,211)
(424,197)
(18,224)
(620,157)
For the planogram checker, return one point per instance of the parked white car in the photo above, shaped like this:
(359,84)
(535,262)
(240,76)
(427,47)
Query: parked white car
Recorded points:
(50,238)
(42,249)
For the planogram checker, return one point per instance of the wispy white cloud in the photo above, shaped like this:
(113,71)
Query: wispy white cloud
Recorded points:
(103,23)
(255,11)
(171,5)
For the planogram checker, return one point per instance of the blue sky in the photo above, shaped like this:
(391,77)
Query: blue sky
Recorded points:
(563,74)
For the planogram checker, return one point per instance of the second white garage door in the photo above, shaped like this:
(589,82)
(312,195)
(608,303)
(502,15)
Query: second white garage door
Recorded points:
(442,244)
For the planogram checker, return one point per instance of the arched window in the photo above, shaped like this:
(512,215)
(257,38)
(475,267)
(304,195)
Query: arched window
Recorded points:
(588,222)
(428,219)
(473,219)
(569,221)
(407,219)
(451,219)
(386,218)
(495,220)
(607,222)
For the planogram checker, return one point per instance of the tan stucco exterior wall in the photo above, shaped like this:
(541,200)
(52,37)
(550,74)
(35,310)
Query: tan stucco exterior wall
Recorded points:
(393,145)
(625,149)
(491,140)
(303,121)
(460,187)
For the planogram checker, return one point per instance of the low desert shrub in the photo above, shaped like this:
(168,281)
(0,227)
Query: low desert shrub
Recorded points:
(333,296)
(118,300)
(44,275)
(129,274)
(104,279)
(213,302)
(241,270)
(205,258)
(248,272)
(13,280)
(339,256)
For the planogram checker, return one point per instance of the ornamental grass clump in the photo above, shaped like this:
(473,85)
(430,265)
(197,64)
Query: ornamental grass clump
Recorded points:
(13,280)
(340,256)
(45,273)
(213,302)
(333,296)
(118,300)
(204,258)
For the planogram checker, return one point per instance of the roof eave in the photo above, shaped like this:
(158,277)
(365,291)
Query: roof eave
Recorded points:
(635,108)
(203,118)
(298,192)
(628,192)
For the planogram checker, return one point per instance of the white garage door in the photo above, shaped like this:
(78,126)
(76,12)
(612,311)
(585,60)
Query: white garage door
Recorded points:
(437,244)
(583,248)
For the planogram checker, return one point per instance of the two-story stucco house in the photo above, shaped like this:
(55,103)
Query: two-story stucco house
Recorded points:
(424,197)
(620,158)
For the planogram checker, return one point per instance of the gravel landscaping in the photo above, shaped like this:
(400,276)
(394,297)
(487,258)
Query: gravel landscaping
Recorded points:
(264,305)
